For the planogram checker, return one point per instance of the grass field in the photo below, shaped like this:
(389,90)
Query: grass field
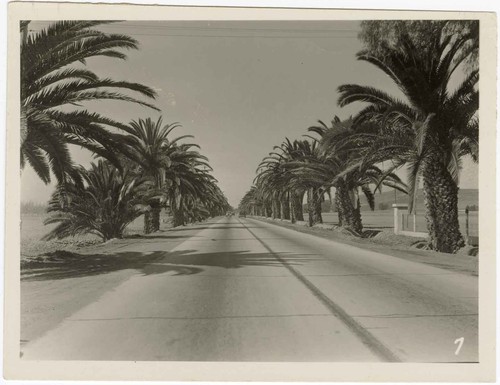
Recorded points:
(384,219)
(466,197)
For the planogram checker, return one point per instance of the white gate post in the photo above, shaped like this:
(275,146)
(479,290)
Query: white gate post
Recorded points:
(397,207)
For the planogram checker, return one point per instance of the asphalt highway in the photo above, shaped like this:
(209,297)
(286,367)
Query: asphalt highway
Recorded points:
(239,289)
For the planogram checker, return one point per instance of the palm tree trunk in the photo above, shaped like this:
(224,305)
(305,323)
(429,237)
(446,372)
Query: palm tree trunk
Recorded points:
(155,220)
(339,207)
(148,226)
(349,215)
(275,209)
(296,207)
(110,231)
(314,206)
(177,217)
(285,206)
(441,203)
(152,218)
(268,210)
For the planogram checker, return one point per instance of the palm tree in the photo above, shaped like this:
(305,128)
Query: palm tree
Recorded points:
(51,81)
(108,202)
(252,203)
(437,123)
(209,200)
(271,184)
(299,155)
(187,178)
(292,151)
(291,191)
(180,174)
(340,169)
(150,148)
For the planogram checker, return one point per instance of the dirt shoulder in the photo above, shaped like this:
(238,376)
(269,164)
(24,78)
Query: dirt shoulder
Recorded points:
(386,242)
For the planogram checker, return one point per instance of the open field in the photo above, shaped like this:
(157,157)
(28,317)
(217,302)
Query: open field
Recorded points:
(384,219)
(466,197)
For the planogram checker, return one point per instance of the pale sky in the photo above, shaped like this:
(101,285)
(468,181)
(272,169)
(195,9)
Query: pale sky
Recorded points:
(239,87)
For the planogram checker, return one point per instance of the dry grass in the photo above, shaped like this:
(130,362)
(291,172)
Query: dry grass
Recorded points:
(33,230)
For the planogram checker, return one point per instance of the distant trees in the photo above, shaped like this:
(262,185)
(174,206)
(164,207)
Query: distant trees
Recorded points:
(278,183)
(313,167)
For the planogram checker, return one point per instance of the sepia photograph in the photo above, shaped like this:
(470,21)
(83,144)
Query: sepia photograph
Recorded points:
(251,189)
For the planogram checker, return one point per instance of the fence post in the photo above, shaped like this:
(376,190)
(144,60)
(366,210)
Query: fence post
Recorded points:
(397,225)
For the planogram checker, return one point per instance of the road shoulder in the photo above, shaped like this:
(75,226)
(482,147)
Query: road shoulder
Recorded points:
(459,263)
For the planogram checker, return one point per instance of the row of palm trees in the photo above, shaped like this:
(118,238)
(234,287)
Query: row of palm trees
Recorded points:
(429,131)
(141,168)
(312,167)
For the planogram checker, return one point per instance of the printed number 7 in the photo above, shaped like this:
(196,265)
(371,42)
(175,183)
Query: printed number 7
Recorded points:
(460,342)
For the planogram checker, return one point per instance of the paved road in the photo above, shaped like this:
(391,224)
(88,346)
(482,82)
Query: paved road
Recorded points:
(244,290)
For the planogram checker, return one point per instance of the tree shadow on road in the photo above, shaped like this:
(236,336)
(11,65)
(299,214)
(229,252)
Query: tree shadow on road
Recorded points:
(162,236)
(67,264)
(227,260)
(62,264)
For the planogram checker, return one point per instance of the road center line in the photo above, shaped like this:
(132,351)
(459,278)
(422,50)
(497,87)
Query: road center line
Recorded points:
(368,339)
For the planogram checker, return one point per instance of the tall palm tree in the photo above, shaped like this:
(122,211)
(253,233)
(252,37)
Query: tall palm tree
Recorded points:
(53,80)
(291,191)
(293,151)
(437,123)
(300,155)
(187,178)
(158,157)
(270,181)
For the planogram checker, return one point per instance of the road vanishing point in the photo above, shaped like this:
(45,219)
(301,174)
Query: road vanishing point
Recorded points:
(240,289)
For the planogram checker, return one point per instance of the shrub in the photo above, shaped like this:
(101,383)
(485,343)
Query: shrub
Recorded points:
(104,205)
